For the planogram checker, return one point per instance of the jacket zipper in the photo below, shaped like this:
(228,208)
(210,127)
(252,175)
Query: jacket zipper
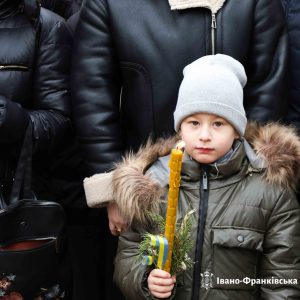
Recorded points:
(14,67)
(200,234)
(213,30)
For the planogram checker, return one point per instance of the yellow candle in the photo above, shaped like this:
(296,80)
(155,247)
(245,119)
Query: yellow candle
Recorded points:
(174,183)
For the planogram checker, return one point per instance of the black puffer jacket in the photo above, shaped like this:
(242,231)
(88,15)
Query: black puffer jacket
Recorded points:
(140,47)
(65,8)
(34,72)
(292,10)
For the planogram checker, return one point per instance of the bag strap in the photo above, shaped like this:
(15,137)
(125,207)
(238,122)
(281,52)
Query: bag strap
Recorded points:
(21,187)
(22,181)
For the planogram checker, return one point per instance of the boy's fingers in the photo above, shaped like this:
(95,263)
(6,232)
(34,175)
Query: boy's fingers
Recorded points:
(161,288)
(160,273)
(161,291)
(162,281)
(161,295)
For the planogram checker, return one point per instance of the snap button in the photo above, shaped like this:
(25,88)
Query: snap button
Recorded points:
(240,238)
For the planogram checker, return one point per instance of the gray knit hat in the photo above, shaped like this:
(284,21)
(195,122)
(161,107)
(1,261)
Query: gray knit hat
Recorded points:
(213,84)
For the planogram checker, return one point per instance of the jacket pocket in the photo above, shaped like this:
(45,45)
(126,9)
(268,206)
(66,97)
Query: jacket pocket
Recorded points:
(236,254)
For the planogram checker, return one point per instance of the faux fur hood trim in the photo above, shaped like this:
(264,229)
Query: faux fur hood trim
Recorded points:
(135,192)
(213,5)
(279,147)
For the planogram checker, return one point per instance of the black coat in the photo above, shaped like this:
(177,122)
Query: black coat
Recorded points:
(292,10)
(34,74)
(138,49)
(65,8)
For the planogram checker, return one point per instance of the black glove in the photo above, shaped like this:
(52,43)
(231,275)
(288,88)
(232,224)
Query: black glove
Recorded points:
(13,121)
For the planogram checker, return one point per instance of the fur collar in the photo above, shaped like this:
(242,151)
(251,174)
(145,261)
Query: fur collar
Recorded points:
(136,192)
(279,147)
(213,5)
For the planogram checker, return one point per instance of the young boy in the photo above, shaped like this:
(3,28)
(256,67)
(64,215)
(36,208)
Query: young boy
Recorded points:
(247,228)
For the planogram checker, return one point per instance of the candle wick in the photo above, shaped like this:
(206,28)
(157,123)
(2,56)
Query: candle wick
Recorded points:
(180,145)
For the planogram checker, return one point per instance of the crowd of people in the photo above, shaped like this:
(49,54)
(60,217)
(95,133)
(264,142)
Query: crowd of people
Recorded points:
(97,78)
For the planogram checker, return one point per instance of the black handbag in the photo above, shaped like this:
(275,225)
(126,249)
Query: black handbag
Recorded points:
(30,232)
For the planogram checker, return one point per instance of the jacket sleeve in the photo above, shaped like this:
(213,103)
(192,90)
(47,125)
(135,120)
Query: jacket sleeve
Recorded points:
(130,274)
(281,257)
(50,110)
(95,88)
(13,121)
(266,66)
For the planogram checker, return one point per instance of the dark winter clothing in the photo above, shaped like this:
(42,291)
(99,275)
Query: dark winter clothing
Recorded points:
(34,87)
(127,65)
(292,13)
(141,47)
(65,8)
(89,250)
(252,228)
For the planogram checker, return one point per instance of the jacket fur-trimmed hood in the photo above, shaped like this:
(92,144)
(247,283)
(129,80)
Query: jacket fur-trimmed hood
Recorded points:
(135,192)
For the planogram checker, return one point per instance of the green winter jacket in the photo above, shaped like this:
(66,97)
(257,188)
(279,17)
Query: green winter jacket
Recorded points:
(251,246)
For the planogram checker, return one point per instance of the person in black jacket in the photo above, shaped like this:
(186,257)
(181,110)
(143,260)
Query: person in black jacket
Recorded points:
(65,8)
(292,13)
(34,88)
(34,74)
(127,63)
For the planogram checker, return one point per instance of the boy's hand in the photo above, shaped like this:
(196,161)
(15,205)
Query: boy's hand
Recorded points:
(160,283)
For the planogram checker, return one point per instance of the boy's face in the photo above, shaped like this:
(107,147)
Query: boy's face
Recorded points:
(207,137)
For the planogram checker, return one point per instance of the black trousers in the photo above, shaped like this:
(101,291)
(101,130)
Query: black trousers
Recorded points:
(92,249)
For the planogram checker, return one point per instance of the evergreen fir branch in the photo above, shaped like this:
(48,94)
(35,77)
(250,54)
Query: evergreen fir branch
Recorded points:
(183,242)
(158,220)
(144,245)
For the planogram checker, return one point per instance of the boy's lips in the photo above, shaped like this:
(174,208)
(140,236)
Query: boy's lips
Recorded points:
(204,149)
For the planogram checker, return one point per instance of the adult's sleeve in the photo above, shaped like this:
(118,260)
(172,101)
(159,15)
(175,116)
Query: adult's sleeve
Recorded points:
(95,89)
(130,274)
(50,111)
(266,67)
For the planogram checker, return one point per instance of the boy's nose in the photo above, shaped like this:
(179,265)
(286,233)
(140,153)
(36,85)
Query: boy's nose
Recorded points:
(204,135)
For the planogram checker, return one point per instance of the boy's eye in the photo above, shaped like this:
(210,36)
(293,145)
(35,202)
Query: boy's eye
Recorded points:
(194,123)
(218,123)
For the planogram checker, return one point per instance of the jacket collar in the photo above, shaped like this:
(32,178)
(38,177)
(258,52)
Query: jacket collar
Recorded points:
(192,170)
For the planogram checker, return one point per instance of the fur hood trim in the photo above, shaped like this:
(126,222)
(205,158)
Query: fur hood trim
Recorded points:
(279,147)
(135,192)
(213,5)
